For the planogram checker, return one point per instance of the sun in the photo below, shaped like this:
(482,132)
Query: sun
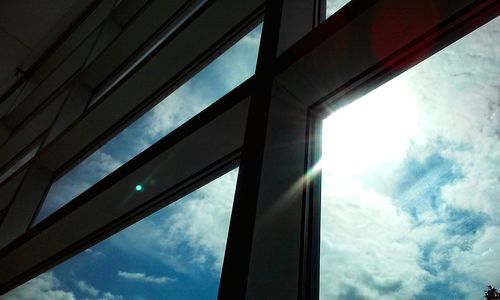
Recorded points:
(375,128)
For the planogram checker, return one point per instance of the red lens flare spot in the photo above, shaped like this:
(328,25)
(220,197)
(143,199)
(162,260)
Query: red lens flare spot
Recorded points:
(397,23)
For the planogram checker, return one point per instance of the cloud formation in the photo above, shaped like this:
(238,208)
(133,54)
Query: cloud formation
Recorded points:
(43,287)
(48,287)
(86,288)
(109,296)
(76,181)
(142,277)
(221,76)
(190,235)
(364,238)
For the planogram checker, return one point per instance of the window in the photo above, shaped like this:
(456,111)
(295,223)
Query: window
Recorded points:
(206,87)
(175,253)
(410,181)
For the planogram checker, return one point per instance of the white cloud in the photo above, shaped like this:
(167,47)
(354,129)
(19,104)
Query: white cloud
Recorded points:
(109,296)
(480,263)
(364,238)
(191,234)
(145,278)
(87,173)
(43,287)
(94,253)
(462,108)
(87,288)
(238,63)
(176,109)
(458,112)
(252,40)
(48,287)
(219,77)
(72,184)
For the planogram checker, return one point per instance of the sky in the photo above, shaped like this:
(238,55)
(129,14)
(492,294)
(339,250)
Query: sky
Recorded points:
(409,191)
(411,180)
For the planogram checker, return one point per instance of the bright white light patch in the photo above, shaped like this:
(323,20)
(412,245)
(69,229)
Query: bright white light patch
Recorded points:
(375,128)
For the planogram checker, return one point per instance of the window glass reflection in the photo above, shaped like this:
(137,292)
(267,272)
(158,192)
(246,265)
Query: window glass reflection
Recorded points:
(175,253)
(225,73)
(410,181)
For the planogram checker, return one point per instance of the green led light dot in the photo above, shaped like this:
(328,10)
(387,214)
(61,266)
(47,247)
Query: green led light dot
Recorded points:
(138,187)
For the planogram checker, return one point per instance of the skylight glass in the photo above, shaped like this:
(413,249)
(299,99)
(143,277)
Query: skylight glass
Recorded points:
(411,181)
(222,75)
(175,253)
(332,6)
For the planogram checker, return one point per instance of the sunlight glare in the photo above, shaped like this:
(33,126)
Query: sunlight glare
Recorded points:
(374,129)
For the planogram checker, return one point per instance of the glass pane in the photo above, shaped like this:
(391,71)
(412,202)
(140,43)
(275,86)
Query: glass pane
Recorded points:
(410,182)
(332,6)
(225,73)
(175,253)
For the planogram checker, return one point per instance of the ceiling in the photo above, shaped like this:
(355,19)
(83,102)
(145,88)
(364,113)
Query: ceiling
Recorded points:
(28,28)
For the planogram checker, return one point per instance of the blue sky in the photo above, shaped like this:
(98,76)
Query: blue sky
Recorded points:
(411,181)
